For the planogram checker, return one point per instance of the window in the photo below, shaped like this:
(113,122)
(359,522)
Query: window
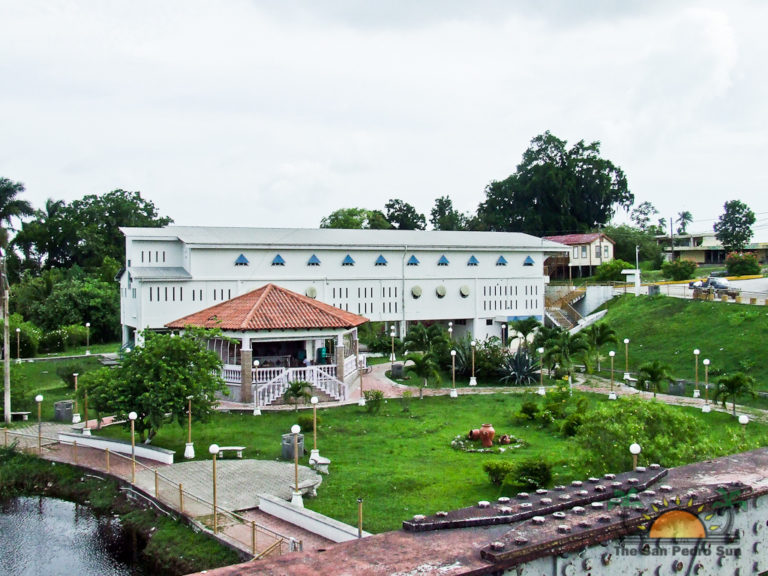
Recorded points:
(528,261)
(501,261)
(142,256)
(413,261)
(348,261)
(134,292)
(241,260)
(278,260)
(583,251)
(575,252)
(381,261)
(313,261)
(443,261)
(597,251)
(473,261)
(605,251)
(149,255)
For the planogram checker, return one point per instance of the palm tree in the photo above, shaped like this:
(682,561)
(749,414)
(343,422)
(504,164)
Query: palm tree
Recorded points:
(683,219)
(425,339)
(733,386)
(425,368)
(524,328)
(11,207)
(297,390)
(652,374)
(598,335)
(564,348)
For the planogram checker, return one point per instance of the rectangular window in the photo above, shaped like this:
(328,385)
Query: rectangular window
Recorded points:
(134,292)
(158,293)
(193,295)
(583,251)
(346,290)
(358,292)
(157,259)
(605,251)
(129,262)
(149,255)
(166,293)
(181,296)
(358,308)
(575,252)
(173,294)
(229,293)
(489,321)
(163,255)
(142,256)
(395,307)
(597,251)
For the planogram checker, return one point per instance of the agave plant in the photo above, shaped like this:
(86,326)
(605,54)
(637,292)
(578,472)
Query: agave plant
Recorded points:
(519,368)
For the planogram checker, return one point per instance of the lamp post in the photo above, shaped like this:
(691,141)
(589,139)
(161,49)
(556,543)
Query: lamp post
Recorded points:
(744,420)
(392,355)
(132,417)
(696,392)
(450,330)
(542,391)
(214,450)
(454,394)
(76,413)
(626,358)
(87,338)
(39,400)
(315,453)
(612,395)
(634,449)
(296,499)
(256,401)
(189,449)
(18,345)
(359,517)
(706,380)
(504,334)
(361,401)
(86,430)
(473,380)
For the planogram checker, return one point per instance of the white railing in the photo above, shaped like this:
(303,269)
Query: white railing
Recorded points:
(271,383)
(350,365)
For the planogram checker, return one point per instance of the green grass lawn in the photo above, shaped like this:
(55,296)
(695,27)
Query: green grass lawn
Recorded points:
(402,463)
(668,329)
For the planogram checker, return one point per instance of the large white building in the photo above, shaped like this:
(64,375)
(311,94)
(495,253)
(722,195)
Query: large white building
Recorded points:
(477,280)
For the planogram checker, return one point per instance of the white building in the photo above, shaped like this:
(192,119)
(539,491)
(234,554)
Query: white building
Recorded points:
(477,280)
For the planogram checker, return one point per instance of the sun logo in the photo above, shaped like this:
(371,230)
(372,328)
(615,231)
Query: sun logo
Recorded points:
(678,523)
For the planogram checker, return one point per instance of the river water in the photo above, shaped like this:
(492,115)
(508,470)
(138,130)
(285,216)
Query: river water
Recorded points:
(42,536)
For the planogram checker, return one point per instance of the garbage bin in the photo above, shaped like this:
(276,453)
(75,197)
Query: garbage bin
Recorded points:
(654,290)
(63,410)
(287,452)
(397,370)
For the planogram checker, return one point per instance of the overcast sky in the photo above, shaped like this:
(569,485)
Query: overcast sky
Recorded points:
(250,113)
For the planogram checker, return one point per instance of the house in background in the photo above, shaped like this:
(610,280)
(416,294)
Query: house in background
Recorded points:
(703,248)
(587,251)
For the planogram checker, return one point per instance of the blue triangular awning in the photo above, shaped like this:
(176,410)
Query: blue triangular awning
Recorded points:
(528,261)
(413,261)
(473,261)
(313,261)
(348,261)
(381,261)
(501,261)
(443,261)
(241,260)
(278,260)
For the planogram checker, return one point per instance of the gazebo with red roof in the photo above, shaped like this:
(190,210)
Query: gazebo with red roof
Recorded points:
(292,336)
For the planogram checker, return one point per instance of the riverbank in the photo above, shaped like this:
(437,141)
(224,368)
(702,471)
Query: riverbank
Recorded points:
(169,546)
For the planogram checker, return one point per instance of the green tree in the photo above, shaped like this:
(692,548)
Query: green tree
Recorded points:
(355,219)
(733,386)
(523,329)
(598,335)
(11,207)
(642,215)
(445,217)
(565,348)
(683,219)
(611,271)
(555,189)
(742,264)
(427,339)
(154,380)
(47,241)
(403,216)
(734,228)
(652,374)
(679,269)
(627,238)
(298,390)
(424,367)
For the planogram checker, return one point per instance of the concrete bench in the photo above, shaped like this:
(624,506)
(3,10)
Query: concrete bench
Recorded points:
(238,450)
(20,415)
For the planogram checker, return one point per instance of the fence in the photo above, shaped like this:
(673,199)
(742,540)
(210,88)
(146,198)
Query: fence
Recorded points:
(246,534)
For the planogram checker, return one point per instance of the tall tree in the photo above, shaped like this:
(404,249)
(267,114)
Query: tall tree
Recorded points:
(424,367)
(47,241)
(11,207)
(642,216)
(598,335)
(356,219)
(555,189)
(524,328)
(445,217)
(403,216)
(733,386)
(652,374)
(734,228)
(683,219)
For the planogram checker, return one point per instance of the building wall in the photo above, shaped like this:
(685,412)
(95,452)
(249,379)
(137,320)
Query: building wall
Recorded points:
(471,289)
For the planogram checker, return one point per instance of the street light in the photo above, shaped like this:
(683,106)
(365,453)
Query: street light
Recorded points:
(542,391)
(39,400)
(214,450)
(314,453)
(706,380)
(189,449)
(18,345)
(473,380)
(454,394)
(634,449)
(392,355)
(744,420)
(626,358)
(361,401)
(132,417)
(450,330)
(256,402)
(696,392)
(87,338)
(612,395)
(296,499)
(504,334)
(76,414)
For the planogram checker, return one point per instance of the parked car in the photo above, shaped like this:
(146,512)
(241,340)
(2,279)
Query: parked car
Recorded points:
(711,282)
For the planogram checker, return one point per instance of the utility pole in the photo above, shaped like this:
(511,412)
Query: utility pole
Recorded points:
(4,289)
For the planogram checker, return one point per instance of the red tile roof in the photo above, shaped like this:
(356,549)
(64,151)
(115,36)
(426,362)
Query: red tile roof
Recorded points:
(270,308)
(573,239)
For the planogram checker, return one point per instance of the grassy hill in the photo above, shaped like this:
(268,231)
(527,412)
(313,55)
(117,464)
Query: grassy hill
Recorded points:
(732,336)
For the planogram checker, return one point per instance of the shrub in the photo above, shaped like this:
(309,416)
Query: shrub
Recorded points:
(66,372)
(572,424)
(678,269)
(373,400)
(529,474)
(528,411)
(76,335)
(54,341)
(611,271)
(497,471)
(307,421)
(520,369)
(742,264)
